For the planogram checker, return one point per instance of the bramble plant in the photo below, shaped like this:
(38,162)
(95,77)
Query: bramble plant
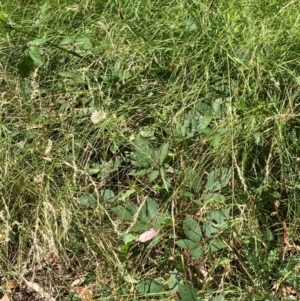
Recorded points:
(149,150)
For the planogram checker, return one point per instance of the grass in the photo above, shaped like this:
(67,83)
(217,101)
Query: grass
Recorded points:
(118,117)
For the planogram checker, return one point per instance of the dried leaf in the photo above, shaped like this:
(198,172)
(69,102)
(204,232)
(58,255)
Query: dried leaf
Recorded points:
(38,289)
(84,293)
(285,237)
(10,285)
(148,235)
(78,281)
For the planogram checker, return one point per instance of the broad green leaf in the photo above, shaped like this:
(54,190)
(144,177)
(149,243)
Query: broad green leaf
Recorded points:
(163,153)
(84,43)
(67,41)
(143,153)
(141,226)
(218,298)
(216,138)
(218,179)
(140,172)
(214,197)
(37,42)
(190,24)
(174,280)
(94,169)
(196,253)
(204,122)
(187,292)
(88,200)
(162,220)
(35,54)
(216,106)
(129,238)
(126,75)
(128,278)
(146,132)
(269,235)
(216,245)
(125,211)
(197,201)
(41,13)
(153,175)
(152,208)
(192,229)
(216,221)
(204,109)
(108,195)
(150,287)
(186,244)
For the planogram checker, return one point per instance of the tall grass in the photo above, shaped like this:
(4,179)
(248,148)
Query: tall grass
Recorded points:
(151,73)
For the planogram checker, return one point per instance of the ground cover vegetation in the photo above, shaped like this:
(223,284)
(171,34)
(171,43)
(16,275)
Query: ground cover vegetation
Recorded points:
(149,150)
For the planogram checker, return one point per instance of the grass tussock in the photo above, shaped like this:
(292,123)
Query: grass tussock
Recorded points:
(178,118)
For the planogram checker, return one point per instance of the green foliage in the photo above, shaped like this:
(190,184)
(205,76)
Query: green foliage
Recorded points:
(215,222)
(187,292)
(195,140)
(150,286)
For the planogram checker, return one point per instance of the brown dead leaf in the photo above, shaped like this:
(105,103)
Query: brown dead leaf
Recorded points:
(285,237)
(84,293)
(78,281)
(38,289)
(10,285)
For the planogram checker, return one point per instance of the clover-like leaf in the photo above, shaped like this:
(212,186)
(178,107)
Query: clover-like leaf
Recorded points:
(192,229)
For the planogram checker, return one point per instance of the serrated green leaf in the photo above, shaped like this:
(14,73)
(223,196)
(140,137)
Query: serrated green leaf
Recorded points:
(125,211)
(186,244)
(146,132)
(140,172)
(187,292)
(214,196)
(218,179)
(150,287)
(216,245)
(217,220)
(204,108)
(67,40)
(141,226)
(174,280)
(204,122)
(94,169)
(88,200)
(128,278)
(35,54)
(84,43)
(129,238)
(153,175)
(152,208)
(215,140)
(163,153)
(37,42)
(108,195)
(192,229)
(196,253)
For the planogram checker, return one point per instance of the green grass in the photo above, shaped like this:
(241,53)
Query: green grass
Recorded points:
(121,116)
